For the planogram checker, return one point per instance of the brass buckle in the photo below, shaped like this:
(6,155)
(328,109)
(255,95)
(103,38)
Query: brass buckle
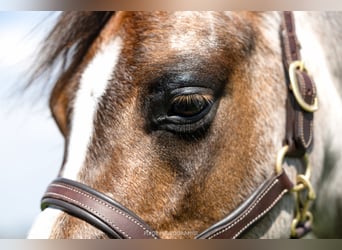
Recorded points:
(299,65)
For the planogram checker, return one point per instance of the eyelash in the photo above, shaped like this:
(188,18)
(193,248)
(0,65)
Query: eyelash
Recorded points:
(199,103)
(192,98)
(185,111)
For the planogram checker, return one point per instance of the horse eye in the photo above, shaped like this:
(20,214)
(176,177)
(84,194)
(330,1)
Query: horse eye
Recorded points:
(189,105)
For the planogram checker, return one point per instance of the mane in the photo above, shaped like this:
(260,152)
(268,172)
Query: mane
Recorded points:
(67,43)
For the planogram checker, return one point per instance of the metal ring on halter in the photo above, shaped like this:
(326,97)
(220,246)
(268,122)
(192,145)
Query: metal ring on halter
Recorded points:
(280,158)
(296,221)
(303,215)
(303,205)
(304,182)
(299,65)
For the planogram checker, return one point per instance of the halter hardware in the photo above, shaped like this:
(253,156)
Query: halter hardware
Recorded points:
(294,67)
(302,214)
(303,190)
(304,194)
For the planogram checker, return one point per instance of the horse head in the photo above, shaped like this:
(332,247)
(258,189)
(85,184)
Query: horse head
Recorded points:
(176,116)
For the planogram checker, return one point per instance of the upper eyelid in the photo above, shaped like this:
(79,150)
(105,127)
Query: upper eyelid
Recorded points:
(188,98)
(191,90)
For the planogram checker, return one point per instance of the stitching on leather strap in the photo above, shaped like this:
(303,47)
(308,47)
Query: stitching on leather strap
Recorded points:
(105,204)
(300,124)
(261,214)
(56,195)
(247,212)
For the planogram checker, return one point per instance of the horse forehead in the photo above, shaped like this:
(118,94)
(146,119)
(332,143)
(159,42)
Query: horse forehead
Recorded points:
(185,30)
(189,26)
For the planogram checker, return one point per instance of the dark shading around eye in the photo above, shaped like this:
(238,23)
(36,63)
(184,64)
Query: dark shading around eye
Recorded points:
(184,108)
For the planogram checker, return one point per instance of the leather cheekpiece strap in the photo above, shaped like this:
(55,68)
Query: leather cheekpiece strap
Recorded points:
(97,209)
(299,123)
(254,208)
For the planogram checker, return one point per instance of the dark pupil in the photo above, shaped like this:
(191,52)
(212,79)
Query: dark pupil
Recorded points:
(188,107)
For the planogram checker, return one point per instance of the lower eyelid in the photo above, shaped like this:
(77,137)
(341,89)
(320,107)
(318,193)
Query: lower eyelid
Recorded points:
(182,126)
(176,119)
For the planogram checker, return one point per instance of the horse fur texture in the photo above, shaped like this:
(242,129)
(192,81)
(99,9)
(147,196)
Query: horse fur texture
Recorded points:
(116,91)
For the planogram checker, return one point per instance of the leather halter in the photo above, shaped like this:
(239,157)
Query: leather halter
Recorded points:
(117,221)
